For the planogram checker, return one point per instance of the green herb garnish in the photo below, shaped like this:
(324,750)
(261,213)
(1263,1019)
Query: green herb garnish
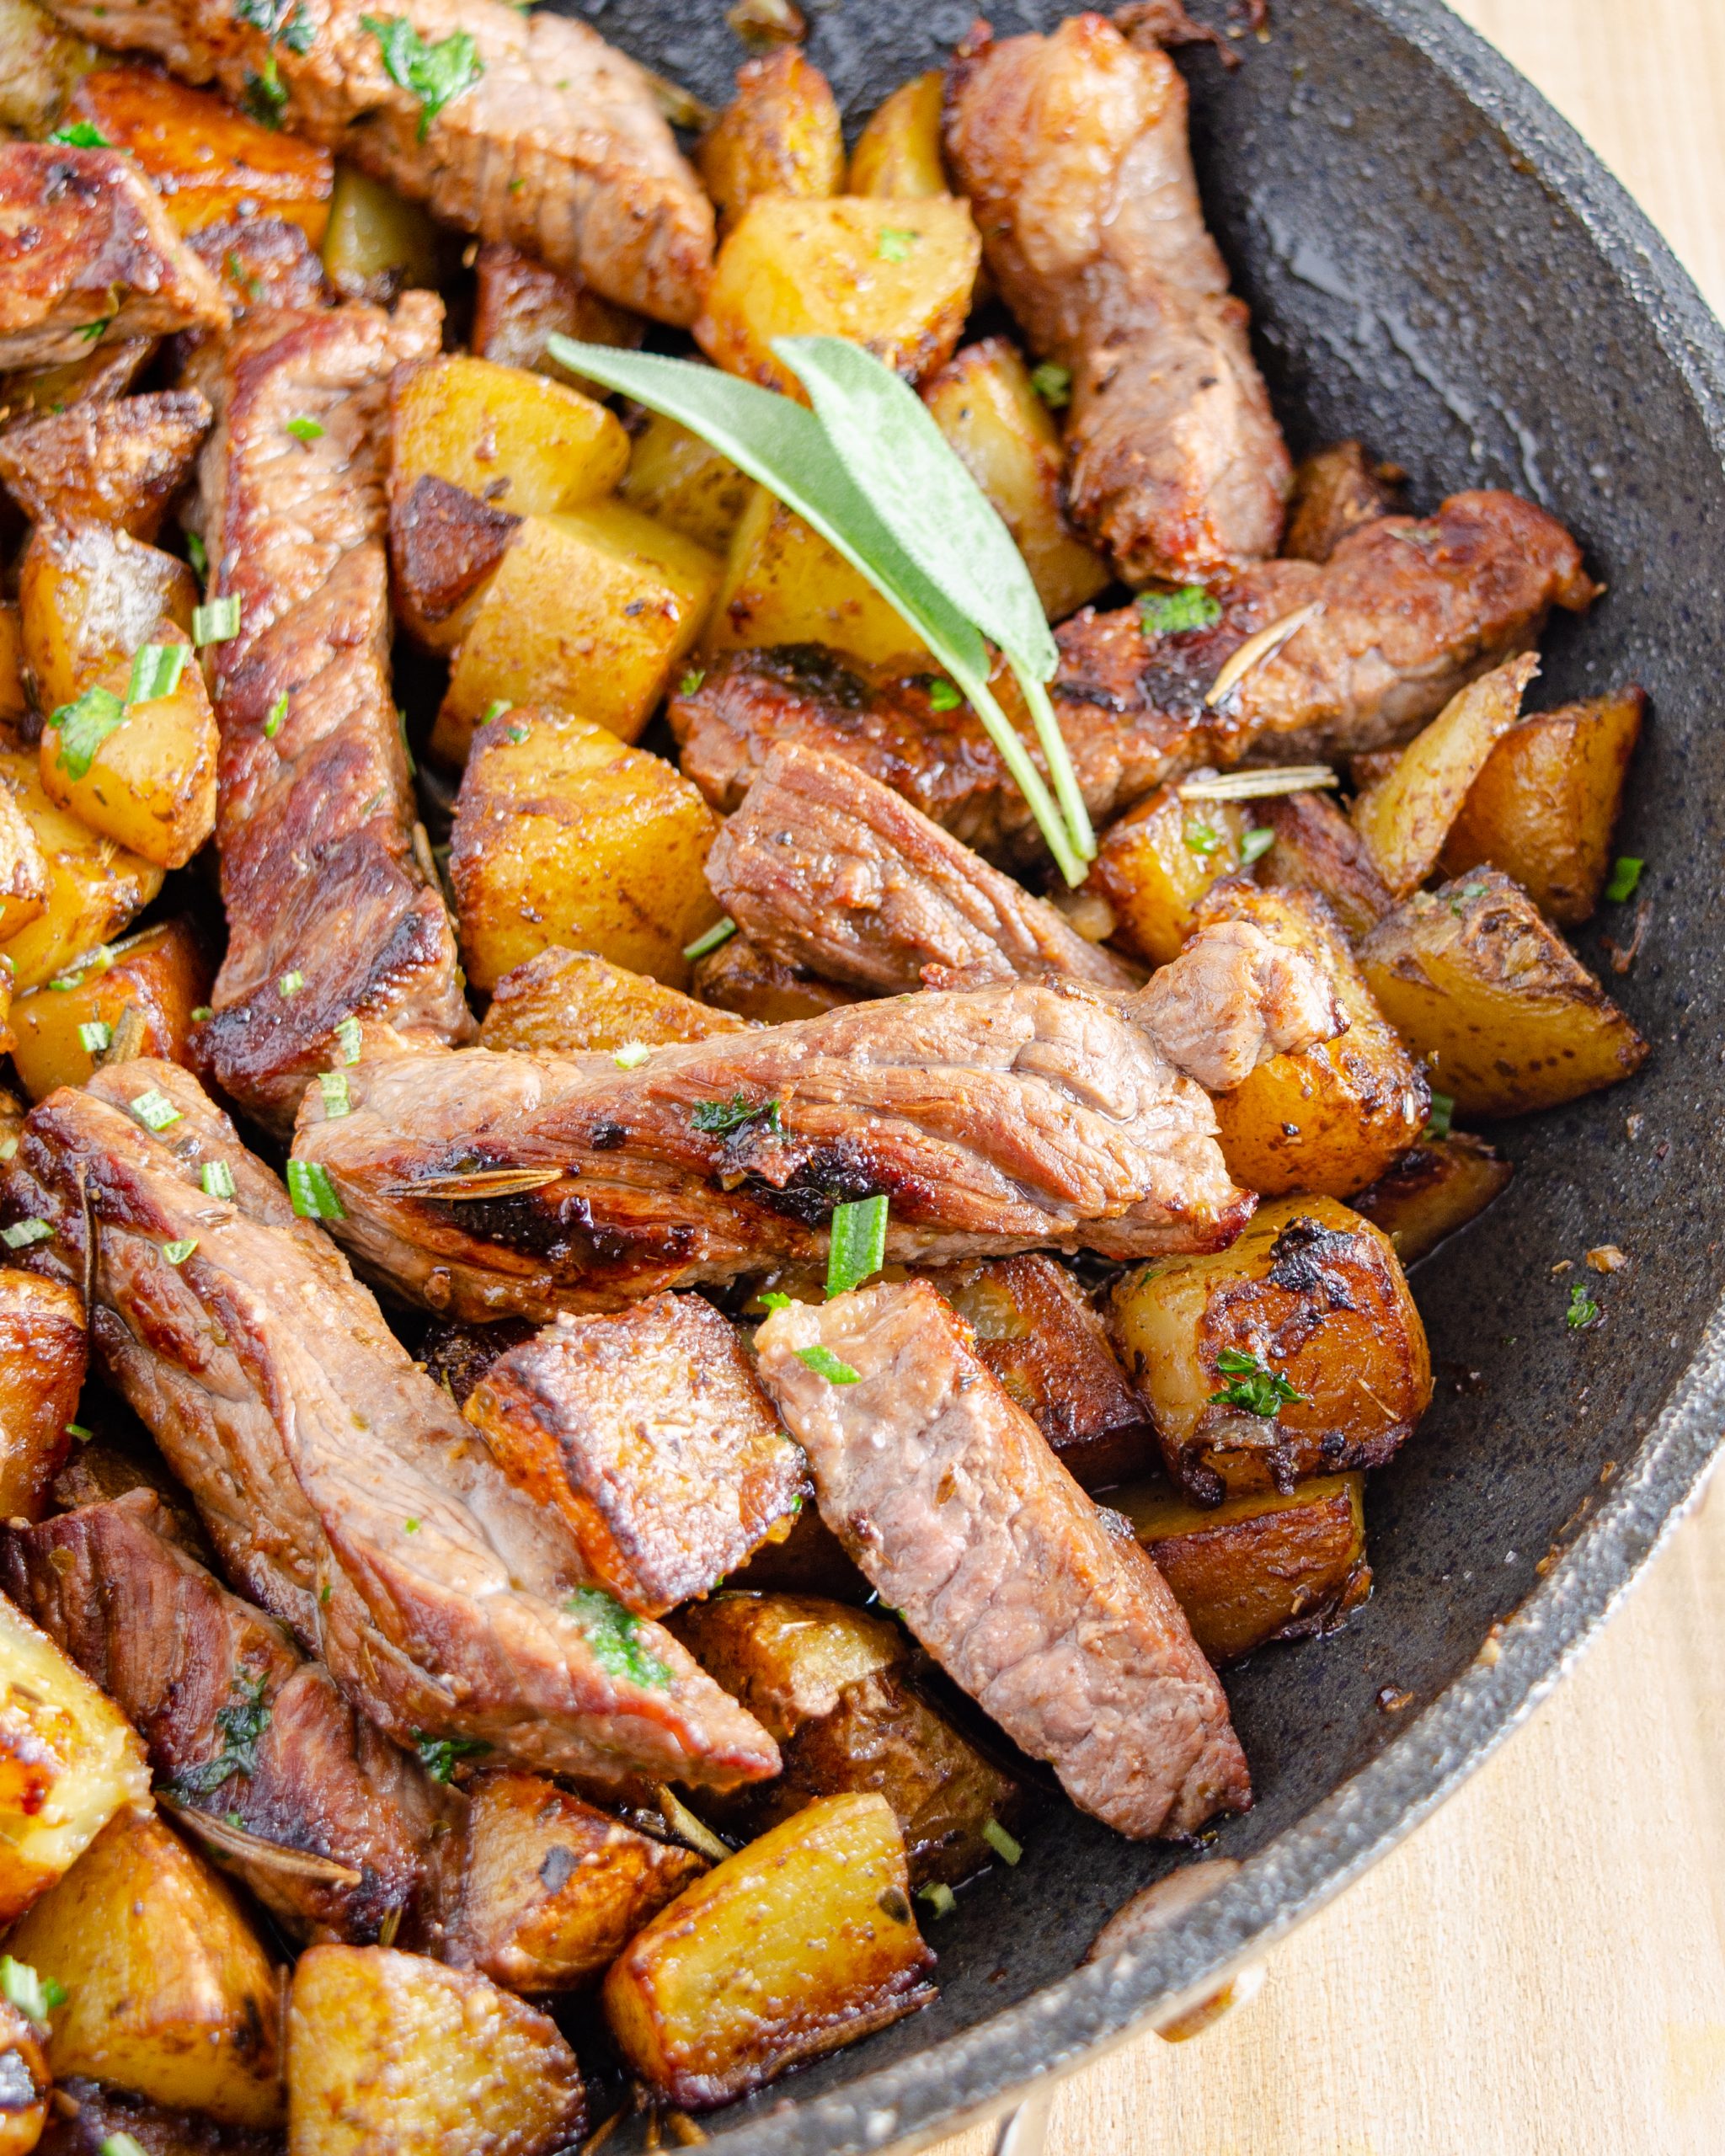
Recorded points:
(1053,384)
(121,2144)
(1254,1386)
(177,1252)
(1624,877)
(216,620)
(156,669)
(350,1036)
(241,1724)
(216,1179)
(940,1897)
(198,554)
(1437,1124)
(692,680)
(278,712)
(435,74)
(95,1036)
(632,1055)
(264,98)
(613,1633)
(943,696)
(312,1192)
(92,331)
(774,1300)
(1000,1842)
(1582,1311)
(154,1110)
(80,1431)
(290,984)
(724,1118)
(305,430)
(332,1085)
(894,243)
(202,1013)
(826,1364)
(1176,613)
(1255,844)
(411,1526)
(22,1233)
(720,932)
(34,1997)
(83,726)
(283,22)
(438,1754)
(79,135)
(1465,895)
(1202,838)
(858,1244)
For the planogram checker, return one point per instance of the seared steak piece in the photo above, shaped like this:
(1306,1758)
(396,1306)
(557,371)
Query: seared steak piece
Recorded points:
(237,1723)
(648,1432)
(119,464)
(88,256)
(344,1492)
(826,868)
(549,139)
(1000,1119)
(330,913)
(1073,150)
(517,305)
(1336,490)
(942,1489)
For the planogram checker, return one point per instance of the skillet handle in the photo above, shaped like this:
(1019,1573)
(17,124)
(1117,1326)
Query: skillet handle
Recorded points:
(1025,2131)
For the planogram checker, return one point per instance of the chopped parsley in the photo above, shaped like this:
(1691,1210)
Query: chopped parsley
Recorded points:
(332,1085)
(1176,613)
(95,1036)
(92,331)
(1624,877)
(1003,1845)
(240,1725)
(304,430)
(943,696)
(1202,838)
(216,620)
(613,1633)
(80,134)
(265,97)
(154,1110)
(349,1038)
(1253,1385)
(177,1253)
(826,1364)
(774,1300)
(1255,844)
(495,709)
(278,712)
(312,1192)
(202,1013)
(1582,1311)
(858,1244)
(516,734)
(156,669)
(283,22)
(894,243)
(1437,1124)
(22,1233)
(83,726)
(1053,384)
(692,680)
(438,1754)
(410,1526)
(435,74)
(721,931)
(216,1178)
(723,1118)
(34,1997)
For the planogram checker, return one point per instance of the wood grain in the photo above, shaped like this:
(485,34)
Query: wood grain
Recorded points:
(1540,1970)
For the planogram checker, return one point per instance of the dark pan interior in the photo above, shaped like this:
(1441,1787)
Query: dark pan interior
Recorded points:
(1434,263)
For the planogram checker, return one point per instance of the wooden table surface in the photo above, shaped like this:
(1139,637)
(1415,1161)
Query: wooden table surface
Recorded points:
(1539,1971)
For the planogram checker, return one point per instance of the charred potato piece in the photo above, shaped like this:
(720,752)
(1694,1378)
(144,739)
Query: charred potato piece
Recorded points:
(800,1943)
(518,304)
(678,479)
(104,2114)
(390,2055)
(162,973)
(1504,1013)
(1544,808)
(376,243)
(895,276)
(898,154)
(39,64)
(168,1992)
(445,544)
(562,836)
(782,584)
(1434,1188)
(1331,1117)
(1335,492)
(25,882)
(568,1002)
(739,977)
(1155,864)
(1037,1332)
(983,402)
(553,1891)
(94,888)
(118,464)
(1404,817)
(1258,1568)
(780,135)
(517,441)
(1298,1351)
(1317,849)
(90,598)
(43,1354)
(206,161)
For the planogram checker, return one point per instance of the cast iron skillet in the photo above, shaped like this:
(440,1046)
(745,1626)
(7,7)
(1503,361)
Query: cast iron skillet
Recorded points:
(1435,263)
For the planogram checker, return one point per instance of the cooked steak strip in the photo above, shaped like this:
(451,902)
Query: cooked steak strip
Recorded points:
(824,867)
(210,1683)
(517,305)
(944,1493)
(1336,490)
(344,1492)
(88,256)
(331,915)
(1073,150)
(648,1432)
(119,464)
(556,144)
(1001,1119)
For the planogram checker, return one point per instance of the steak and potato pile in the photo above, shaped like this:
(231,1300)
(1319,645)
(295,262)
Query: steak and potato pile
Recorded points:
(638,1306)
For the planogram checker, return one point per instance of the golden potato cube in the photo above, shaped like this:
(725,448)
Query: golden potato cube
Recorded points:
(802,1941)
(163,974)
(1434,1188)
(780,135)
(784,585)
(895,276)
(1333,1117)
(898,154)
(1317,849)
(377,243)
(1255,1569)
(983,402)
(43,1355)
(1157,862)
(1507,1018)
(391,2055)
(562,836)
(679,480)
(1405,816)
(590,613)
(1544,805)
(150,783)
(95,887)
(90,598)
(23,874)
(568,1002)
(517,439)
(1296,1351)
(553,1891)
(69,1760)
(168,1991)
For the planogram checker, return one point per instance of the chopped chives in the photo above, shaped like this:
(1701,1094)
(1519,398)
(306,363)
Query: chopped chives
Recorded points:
(304,430)
(278,712)
(349,1038)
(155,1110)
(332,1085)
(632,1055)
(826,1364)
(95,1036)
(217,1178)
(290,984)
(156,669)
(178,1251)
(312,1192)
(22,1233)
(721,931)
(216,620)
(1000,1842)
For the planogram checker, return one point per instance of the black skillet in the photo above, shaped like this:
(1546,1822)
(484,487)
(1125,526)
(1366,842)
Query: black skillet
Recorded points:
(1435,263)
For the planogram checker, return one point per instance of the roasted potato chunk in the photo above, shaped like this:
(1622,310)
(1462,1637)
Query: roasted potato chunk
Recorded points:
(518,441)
(39,63)
(1317,849)
(1544,807)
(1326,1118)
(23,874)
(206,161)
(168,1991)
(518,305)
(1506,1016)
(118,464)
(800,1943)
(1155,863)
(782,584)
(679,480)
(1435,1188)
(1258,1568)
(389,2055)
(377,243)
(898,154)
(94,888)
(983,403)
(1404,817)
(1298,1351)
(565,1002)
(43,1354)
(148,782)
(162,973)
(590,611)
(553,1891)
(564,835)
(90,598)
(739,977)
(895,276)
(780,135)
